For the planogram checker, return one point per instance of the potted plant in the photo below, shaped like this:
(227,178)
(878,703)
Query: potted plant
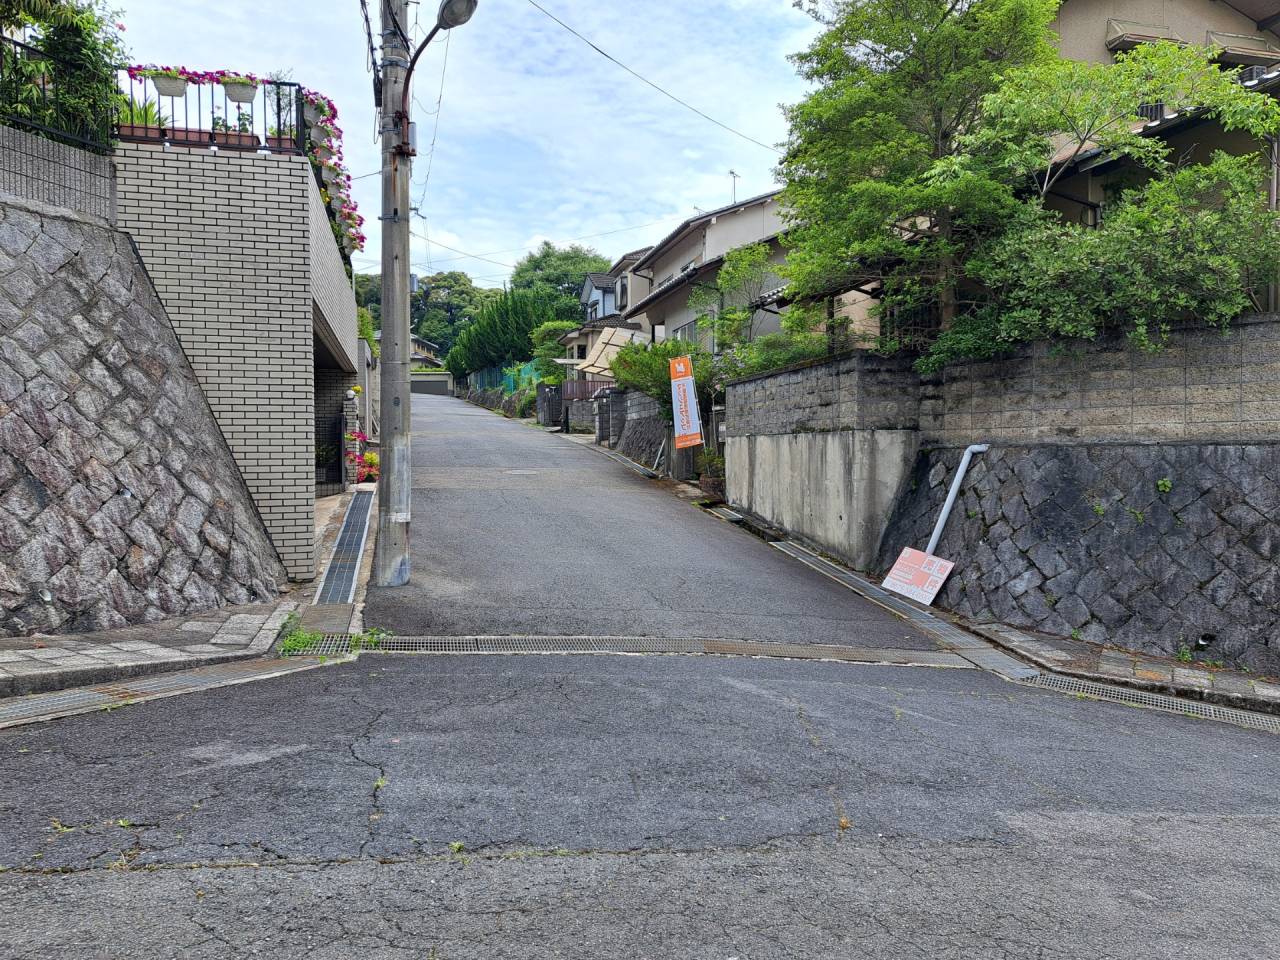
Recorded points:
(239,87)
(711,481)
(142,121)
(282,138)
(168,81)
(237,133)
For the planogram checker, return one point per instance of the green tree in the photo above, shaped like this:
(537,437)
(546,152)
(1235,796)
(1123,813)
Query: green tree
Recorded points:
(365,329)
(547,347)
(499,337)
(558,274)
(646,367)
(1197,245)
(1046,115)
(899,83)
(368,290)
(445,304)
(729,307)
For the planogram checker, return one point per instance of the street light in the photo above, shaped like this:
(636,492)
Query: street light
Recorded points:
(453,13)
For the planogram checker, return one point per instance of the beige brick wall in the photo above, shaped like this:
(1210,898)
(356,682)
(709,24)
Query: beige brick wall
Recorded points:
(1204,387)
(330,287)
(227,238)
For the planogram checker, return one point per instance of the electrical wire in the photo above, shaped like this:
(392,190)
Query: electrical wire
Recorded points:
(586,236)
(435,128)
(496,263)
(665,93)
(368,32)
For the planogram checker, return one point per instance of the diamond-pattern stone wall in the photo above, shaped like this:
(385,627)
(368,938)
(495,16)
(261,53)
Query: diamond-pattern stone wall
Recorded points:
(1150,547)
(119,499)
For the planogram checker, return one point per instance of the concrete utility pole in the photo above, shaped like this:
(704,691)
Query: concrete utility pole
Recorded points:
(395,491)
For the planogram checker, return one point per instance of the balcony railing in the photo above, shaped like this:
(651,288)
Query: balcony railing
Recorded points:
(53,98)
(583,389)
(267,115)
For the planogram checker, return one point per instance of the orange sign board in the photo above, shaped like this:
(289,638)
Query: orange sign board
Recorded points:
(918,575)
(684,404)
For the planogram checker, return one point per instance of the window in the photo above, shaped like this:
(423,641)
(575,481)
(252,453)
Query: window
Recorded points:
(582,351)
(593,310)
(622,294)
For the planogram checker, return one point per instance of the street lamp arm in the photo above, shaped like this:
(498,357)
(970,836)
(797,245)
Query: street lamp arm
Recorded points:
(413,62)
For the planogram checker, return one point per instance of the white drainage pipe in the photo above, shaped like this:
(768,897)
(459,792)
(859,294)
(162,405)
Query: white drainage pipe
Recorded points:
(953,493)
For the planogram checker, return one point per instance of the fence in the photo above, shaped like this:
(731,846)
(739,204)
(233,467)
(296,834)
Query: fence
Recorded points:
(268,114)
(54,98)
(583,389)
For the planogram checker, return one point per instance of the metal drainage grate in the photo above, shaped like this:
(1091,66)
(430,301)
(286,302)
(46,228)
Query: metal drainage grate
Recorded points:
(339,644)
(724,513)
(1156,701)
(39,707)
(339,584)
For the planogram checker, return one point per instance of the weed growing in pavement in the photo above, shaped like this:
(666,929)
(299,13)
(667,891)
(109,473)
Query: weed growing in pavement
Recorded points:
(1184,654)
(380,783)
(1164,485)
(368,639)
(1138,516)
(1099,510)
(457,846)
(295,639)
(1076,635)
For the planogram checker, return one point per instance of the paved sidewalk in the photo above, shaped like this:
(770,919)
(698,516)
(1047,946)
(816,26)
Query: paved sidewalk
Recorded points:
(1160,674)
(41,663)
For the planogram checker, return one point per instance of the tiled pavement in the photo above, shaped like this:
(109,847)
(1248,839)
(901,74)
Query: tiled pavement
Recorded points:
(39,663)
(1109,665)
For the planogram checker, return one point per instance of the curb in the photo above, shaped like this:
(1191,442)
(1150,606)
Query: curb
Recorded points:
(996,634)
(54,680)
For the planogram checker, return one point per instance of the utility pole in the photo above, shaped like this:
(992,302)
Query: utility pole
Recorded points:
(395,491)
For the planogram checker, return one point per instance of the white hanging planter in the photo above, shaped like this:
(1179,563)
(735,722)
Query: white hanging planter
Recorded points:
(170,86)
(323,151)
(240,92)
(311,113)
(329,174)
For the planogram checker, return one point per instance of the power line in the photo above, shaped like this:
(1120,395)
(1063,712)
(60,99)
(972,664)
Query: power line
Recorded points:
(587,236)
(496,263)
(368,32)
(665,93)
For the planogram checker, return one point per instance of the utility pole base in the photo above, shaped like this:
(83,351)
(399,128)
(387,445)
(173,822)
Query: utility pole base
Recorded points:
(391,554)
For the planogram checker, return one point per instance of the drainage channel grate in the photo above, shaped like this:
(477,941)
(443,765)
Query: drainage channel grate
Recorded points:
(1156,701)
(339,584)
(39,707)
(340,644)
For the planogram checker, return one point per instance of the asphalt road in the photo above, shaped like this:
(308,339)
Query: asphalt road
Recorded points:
(655,807)
(664,807)
(520,532)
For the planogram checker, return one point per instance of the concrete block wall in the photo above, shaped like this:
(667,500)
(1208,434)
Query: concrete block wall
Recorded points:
(646,429)
(1205,386)
(45,171)
(227,238)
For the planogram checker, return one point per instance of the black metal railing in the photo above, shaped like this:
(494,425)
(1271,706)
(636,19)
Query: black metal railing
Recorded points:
(267,115)
(53,98)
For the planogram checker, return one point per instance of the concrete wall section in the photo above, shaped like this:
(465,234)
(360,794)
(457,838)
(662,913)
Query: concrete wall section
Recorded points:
(33,168)
(119,499)
(834,489)
(227,238)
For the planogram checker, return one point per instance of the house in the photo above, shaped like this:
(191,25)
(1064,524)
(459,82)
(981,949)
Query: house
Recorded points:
(239,233)
(589,349)
(422,352)
(1246,31)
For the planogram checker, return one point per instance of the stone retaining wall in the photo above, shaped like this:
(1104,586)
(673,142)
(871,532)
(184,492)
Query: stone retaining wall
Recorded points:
(120,502)
(1151,547)
(645,429)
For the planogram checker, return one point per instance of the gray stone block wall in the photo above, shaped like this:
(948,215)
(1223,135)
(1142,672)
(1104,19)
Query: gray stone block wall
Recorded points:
(1205,386)
(119,499)
(1150,547)
(645,430)
(857,391)
(44,171)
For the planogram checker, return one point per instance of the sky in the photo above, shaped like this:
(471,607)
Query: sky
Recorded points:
(538,137)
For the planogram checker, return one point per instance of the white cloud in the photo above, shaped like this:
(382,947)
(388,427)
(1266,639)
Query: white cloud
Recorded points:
(539,136)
